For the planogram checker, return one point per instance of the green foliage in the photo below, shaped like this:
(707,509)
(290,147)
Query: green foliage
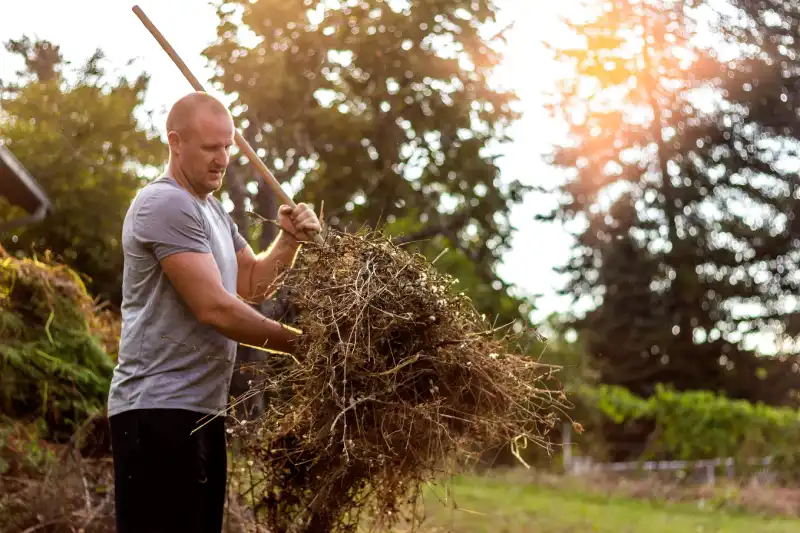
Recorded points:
(81,142)
(697,425)
(22,448)
(52,365)
(382,110)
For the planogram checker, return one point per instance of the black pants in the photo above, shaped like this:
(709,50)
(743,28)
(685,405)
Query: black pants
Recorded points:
(166,478)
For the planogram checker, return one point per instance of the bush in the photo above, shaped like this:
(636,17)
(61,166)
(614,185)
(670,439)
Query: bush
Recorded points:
(22,452)
(695,425)
(53,363)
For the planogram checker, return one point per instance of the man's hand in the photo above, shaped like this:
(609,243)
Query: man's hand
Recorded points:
(301,222)
(257,273)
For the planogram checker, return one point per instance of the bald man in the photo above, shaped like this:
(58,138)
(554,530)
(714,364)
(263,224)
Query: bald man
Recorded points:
(185,264)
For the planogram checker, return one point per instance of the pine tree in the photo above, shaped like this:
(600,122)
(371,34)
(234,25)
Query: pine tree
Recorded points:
(684,217)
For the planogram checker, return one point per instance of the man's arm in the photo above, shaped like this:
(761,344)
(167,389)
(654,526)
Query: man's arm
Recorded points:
(257,273)
(197,280)
(168,223)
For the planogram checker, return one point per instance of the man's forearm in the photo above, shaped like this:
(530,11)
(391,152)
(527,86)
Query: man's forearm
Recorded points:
(281,254)
(241,323)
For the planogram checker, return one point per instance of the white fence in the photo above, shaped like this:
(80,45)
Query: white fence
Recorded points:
(705,469)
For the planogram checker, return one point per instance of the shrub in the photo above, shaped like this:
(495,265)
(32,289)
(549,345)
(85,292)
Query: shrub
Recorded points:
(52,360)
(695,425)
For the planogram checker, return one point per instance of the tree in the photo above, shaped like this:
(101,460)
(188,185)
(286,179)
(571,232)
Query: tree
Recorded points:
(687,218)
(764,89)
(81,141)
(384,111)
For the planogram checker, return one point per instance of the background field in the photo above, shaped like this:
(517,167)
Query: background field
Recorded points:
(502,506)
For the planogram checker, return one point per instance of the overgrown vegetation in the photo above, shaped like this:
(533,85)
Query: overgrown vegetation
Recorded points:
(22,448)
(695,425)
(53,364)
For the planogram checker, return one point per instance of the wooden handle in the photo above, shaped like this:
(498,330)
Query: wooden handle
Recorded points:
(244,146)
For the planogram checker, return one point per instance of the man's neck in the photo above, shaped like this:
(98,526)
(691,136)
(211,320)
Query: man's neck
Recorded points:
(175,172)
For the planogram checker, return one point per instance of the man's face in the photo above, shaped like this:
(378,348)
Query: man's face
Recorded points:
(203,153)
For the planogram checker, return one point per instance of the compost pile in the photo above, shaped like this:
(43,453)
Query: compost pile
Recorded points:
(397,380)
(52,356)
(55,368)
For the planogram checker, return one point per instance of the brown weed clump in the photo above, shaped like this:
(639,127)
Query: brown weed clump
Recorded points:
(396,379)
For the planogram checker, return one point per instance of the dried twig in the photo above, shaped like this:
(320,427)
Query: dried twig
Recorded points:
(95,512)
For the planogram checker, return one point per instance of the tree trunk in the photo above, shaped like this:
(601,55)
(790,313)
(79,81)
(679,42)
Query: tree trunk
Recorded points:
(238,193)
(267,208)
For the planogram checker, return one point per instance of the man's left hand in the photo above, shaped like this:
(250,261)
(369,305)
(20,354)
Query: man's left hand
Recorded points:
(301,222)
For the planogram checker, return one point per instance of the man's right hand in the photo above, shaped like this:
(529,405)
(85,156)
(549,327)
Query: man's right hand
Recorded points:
(197,280)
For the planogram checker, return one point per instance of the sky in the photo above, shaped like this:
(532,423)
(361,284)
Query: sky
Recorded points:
(82,26)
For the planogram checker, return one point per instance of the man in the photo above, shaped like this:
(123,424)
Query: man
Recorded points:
(185,263)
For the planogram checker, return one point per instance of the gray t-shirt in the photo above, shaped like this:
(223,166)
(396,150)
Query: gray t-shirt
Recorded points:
(168,358)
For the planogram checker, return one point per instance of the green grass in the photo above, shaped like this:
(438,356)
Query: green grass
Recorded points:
(483,505)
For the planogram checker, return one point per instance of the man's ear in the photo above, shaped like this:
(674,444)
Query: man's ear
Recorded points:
(174,141)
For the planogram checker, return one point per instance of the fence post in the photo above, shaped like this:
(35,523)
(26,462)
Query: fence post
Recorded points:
(711,476)
(566,443)
(731,472)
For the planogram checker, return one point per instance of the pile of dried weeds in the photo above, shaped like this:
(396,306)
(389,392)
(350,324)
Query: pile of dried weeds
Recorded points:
(397,377)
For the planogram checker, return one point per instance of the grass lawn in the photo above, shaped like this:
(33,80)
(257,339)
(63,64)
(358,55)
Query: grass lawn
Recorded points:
(485,505)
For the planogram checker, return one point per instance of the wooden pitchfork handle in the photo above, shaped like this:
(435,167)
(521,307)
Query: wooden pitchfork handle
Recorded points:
(244,146)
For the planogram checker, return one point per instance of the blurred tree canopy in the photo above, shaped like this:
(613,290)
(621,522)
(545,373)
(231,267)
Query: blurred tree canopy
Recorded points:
(382,110)
(76,133)
(681,175)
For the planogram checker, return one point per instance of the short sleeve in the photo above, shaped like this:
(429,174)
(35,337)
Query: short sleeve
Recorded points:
(168,222)
(239,242)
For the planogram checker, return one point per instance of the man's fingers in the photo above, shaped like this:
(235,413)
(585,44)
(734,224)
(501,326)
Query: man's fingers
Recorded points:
(306,215)
(301,209)
(303,218)
(306,222)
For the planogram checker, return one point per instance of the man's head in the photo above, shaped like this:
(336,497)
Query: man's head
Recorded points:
(200,133)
